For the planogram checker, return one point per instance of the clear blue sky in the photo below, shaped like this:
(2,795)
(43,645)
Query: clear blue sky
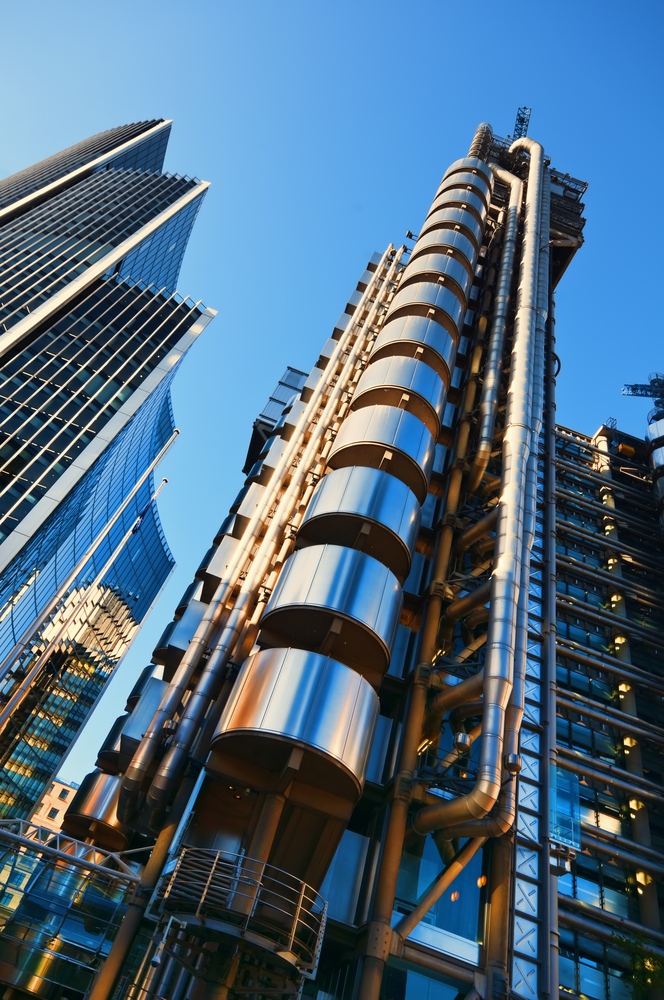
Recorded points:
(324,129)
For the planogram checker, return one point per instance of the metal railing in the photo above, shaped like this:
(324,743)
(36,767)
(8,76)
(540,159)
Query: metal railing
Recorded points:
(277,910)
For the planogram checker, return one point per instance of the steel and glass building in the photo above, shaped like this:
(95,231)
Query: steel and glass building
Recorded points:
(402,739)
(91,334)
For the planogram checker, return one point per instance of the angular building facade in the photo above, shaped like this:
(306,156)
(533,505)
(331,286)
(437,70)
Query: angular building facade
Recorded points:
(92,331)
(402,739)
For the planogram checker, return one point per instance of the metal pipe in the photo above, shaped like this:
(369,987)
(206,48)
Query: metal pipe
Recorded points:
(580,922)
(628,927)
(436,963)
(506,578)
(409,922)
(494,362)
(476,531)
(144,756)
(41,618)
(459,608)
(18,696)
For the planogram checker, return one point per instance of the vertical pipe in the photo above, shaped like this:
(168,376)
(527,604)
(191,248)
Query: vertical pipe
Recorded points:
(549,937)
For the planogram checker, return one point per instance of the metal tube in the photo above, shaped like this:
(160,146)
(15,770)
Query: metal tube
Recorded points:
(506,578)
(494,362)
(459,608)
(37,623)
(408,923)
(476,531)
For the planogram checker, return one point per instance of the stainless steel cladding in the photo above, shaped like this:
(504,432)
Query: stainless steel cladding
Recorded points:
(338,601)
(448,241)
(455,218)
(478,182)
(442,268)
(365,509)
(428,298)
(418,337)
(286,697)
(94,810)
(388,438)
(465,198)
(405,383)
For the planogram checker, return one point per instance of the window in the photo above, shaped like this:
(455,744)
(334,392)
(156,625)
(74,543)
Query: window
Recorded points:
(53,813)
(64,793)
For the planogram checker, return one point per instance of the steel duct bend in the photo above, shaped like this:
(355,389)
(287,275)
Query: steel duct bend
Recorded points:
(506,578)
(493,367)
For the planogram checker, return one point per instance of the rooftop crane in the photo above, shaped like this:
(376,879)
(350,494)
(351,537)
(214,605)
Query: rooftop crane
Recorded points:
(654,389)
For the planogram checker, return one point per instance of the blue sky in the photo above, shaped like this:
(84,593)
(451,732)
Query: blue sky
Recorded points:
(324,129)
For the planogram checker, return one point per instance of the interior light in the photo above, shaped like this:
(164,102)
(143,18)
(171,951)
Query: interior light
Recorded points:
(454,896)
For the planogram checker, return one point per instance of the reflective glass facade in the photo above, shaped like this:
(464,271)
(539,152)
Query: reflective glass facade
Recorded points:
(92,339)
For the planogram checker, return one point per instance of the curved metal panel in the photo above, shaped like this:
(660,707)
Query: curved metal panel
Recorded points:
(422,296)
(654,431)
(406,383)
(338,601)
(292,696)
(441,267)
(108,757)
(449,218)
(93,811)
(470,163)
(468,178)
(419,337)
(364,509)
(449,242)
(384,437)
(657,458)
(465,198)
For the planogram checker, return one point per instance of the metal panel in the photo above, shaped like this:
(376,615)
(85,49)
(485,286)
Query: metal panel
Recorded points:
(95,803)
(527,861)
(524,979)
(388,438)
(467,178)
(525,897)
(364,509)
(447,241)
(470,163)
(177,636)
(449,218)
(338,601)
(286,697)
(418,337)
(525,936)
(422,296)
(441,267)
(405,383)
(655,430)
(465,197)
(139,720)
(217,567)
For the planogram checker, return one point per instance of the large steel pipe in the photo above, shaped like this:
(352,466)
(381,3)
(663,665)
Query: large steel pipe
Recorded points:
(338,601)
(506,578)
(494,362)
(292,697)
(365,509)
(388,438)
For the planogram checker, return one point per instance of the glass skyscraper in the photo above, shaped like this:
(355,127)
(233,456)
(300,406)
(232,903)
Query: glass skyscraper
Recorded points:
(92,330)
